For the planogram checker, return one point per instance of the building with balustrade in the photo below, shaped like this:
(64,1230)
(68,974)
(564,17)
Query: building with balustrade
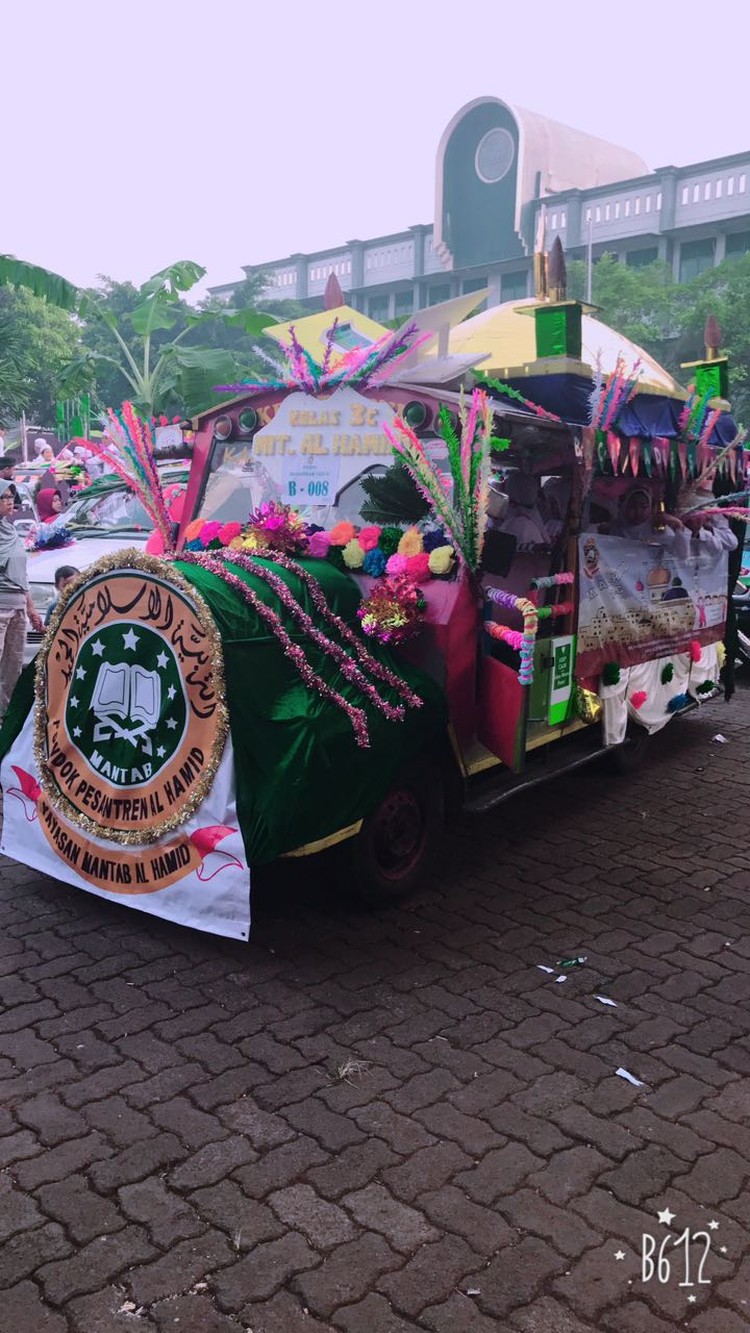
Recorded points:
(504,176)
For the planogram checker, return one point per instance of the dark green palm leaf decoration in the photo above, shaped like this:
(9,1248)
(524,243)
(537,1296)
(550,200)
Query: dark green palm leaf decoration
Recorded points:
(393,498)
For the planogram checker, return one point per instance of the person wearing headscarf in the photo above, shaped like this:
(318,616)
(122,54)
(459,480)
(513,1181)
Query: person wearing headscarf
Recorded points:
(523,519)
(15,599)
(49,504)
(635,521)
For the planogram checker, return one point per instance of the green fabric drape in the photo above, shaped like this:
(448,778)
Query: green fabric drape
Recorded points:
(300,774)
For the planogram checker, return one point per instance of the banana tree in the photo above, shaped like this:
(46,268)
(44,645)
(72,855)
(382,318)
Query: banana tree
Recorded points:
(152,372)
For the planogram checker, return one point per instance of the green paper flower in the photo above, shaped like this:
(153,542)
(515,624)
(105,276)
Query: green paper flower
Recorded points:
(667,673)
(389,540)
(611,674)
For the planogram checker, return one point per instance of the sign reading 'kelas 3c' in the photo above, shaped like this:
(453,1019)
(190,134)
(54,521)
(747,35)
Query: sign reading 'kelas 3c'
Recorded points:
(130,722)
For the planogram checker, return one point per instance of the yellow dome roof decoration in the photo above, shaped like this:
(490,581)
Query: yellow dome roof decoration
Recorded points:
(352,330)
(503,338)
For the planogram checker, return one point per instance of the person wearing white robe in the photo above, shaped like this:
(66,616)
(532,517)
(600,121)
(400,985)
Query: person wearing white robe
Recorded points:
(523,519)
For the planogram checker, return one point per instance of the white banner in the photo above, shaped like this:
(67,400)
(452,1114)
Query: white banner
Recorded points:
(640,601)
(197,875)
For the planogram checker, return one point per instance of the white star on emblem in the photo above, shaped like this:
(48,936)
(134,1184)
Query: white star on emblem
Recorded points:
(160,751)
(80,674)
(171,723)
(76,732)
(73,701)
(619,1254)
(171,692)
(130,639)
(97,648)
(667,1217)
(161,660)
(713,1225)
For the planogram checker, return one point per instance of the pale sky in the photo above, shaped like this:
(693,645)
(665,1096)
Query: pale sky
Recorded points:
(231,131)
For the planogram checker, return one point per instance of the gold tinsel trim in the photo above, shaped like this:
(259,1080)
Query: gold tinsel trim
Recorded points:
(121,562)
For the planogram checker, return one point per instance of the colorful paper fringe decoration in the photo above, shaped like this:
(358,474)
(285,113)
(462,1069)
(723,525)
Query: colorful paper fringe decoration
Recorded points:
(522,642)
(609,397)
(128,450)
(362,366)
(463,518)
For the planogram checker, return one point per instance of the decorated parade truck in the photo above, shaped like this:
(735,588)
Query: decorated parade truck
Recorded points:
(399,585)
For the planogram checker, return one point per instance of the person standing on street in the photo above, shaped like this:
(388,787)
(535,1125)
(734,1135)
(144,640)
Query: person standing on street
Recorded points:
(15,599)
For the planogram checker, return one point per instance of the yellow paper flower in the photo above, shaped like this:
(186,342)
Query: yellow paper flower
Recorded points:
(249,542)
(721,653)
(441,560)
(411,543)
(354,556)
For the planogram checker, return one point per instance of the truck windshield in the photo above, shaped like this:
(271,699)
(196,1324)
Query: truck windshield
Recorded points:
(238,484)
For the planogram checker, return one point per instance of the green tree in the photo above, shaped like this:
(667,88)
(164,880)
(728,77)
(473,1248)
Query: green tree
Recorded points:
(725,293)
(156,353)
(36,342)
(643,303)
(668,319)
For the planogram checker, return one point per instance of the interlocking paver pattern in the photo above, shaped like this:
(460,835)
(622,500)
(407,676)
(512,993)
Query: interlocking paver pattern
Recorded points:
(368,1123)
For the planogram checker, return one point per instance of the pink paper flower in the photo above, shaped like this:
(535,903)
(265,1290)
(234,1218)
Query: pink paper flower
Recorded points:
(228,532)
(210,531)
(418,567)
(318,545)
(369,538)
(396,565)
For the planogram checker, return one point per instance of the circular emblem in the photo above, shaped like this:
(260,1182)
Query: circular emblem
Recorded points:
(494,156)
(130,721)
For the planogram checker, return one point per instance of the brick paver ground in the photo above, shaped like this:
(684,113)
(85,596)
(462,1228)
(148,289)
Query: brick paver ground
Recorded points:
(374,1123)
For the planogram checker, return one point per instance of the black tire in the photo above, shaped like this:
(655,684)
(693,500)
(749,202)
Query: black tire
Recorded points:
(629,756)
(396,845)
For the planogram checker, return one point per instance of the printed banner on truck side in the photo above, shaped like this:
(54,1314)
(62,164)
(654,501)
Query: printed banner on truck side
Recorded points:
(640,601)
(195,875)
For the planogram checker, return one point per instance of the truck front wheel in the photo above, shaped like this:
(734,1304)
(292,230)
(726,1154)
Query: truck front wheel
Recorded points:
(394,848)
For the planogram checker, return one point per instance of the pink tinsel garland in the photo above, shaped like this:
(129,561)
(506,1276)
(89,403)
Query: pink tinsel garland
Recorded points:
(312,680)
(349,668)
(318,597)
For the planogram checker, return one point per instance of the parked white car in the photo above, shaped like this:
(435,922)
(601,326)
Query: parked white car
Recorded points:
(106,517)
